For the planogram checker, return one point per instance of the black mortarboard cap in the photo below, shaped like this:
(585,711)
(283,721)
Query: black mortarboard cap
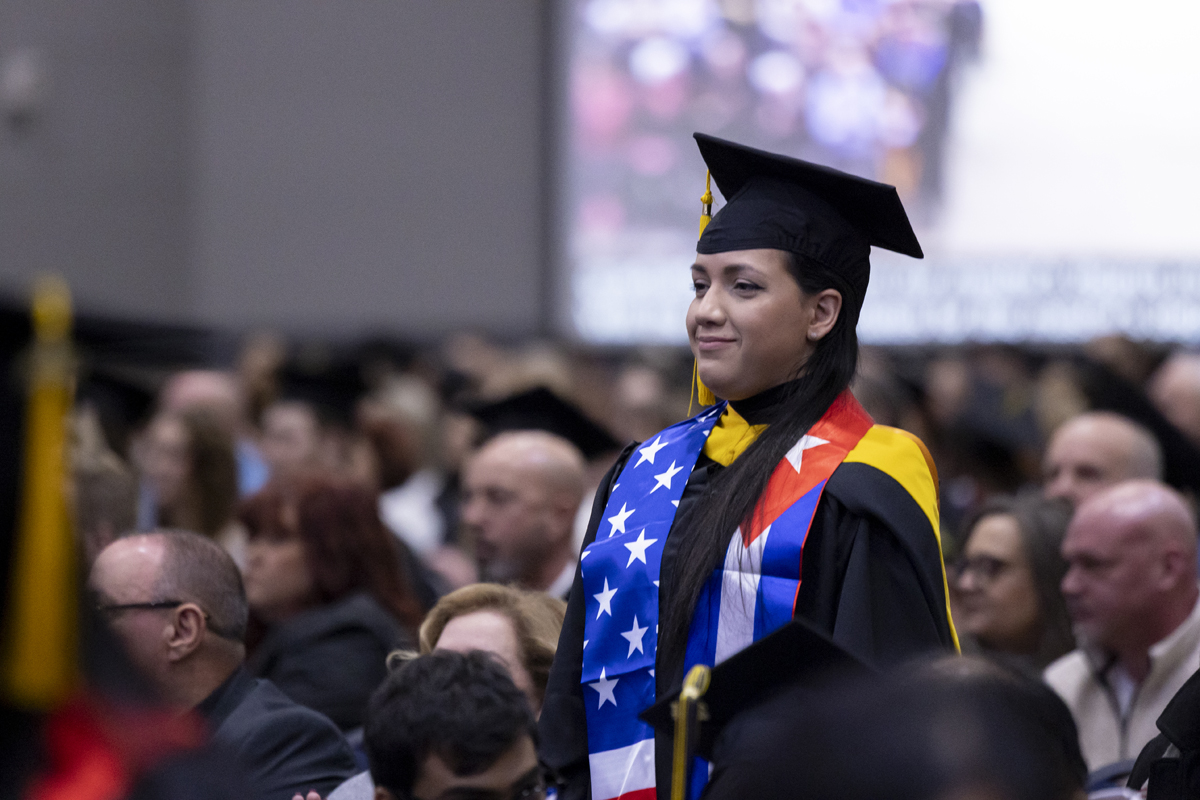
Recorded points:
(783,203)
(542,410)
(795,655)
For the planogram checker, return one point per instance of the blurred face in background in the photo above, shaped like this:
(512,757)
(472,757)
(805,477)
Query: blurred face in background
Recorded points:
(1094,451)
(516,508)
(492,632)
(291,439)
(166,459)
(279,583)
(995,597)
(1112,575)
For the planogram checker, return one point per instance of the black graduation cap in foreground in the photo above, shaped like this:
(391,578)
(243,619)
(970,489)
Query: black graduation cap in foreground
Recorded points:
(542,410)
(783,203)
(795,655)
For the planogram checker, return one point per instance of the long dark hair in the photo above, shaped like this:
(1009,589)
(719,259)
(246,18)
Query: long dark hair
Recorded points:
(347,547)
(1042,524)
(732,496)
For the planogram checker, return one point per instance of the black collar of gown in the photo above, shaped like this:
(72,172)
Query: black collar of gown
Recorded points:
(764,407)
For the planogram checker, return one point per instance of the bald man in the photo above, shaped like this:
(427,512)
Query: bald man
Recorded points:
(520,495)
(1096,450)
(1131,591)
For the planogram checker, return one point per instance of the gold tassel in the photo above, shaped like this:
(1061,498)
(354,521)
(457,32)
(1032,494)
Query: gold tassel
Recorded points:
(38,662)
(706,199)
(689,712)
(702,393)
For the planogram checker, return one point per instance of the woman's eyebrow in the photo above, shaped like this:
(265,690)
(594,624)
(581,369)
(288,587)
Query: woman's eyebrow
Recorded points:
(739,268)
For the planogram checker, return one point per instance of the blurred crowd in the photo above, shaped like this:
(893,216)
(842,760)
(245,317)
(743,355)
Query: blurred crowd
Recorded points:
(864,86)
(385,499)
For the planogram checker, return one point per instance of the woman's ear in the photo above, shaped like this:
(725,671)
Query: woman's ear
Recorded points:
(826,305)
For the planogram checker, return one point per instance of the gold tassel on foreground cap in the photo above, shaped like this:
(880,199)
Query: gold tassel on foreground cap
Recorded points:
(689,712)
(38,650)
(706,199)
(701,392)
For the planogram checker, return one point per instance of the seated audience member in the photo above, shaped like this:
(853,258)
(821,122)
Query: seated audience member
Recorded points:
(219,394)
(1095,450)
(291,439)
(323,578)
(520,627)
(1131,591)
(104,489)
(1175,391)
(449,724)
(1005,587)
(175,600)
(399,420)
(189,468)
(521,493)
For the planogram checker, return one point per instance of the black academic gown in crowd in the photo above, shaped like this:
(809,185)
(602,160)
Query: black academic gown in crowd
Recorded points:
(282,747)
(332,657)
(871,578)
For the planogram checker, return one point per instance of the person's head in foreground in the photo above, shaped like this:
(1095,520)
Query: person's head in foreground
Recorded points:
(175,600)
(949,729)
(1131,570)
(1096,450)
(452,725)
(1005,585)
(521,492)
(520,628)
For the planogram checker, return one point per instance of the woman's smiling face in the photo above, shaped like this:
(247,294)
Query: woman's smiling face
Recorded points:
(749,323)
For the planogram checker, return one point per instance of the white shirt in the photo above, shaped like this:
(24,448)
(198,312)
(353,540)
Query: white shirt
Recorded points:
(410,511)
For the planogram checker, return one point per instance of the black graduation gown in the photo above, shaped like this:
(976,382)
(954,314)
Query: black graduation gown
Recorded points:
(871,578)
(332,657)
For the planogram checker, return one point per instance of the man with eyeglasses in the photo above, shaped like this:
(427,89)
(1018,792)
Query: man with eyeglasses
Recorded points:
(449,726)
(175,599)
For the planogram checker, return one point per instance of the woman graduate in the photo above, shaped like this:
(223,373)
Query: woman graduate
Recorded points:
(780,500)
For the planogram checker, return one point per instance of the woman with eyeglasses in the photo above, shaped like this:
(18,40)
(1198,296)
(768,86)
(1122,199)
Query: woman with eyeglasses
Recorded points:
(1005,585)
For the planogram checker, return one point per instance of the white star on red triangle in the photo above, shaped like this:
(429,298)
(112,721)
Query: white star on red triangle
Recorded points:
(796,455)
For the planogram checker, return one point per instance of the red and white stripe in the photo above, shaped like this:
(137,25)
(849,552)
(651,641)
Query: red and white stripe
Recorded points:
(626,773)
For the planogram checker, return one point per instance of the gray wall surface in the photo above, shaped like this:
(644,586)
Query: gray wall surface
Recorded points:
(92,185)
(371,163)
(365,165)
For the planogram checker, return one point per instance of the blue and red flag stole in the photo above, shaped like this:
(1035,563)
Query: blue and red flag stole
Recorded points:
(752,594)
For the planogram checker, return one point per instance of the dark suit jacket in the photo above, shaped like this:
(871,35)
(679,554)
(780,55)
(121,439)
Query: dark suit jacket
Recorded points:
(283,747)
(332,657)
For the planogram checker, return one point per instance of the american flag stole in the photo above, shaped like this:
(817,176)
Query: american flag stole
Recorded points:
(750,595)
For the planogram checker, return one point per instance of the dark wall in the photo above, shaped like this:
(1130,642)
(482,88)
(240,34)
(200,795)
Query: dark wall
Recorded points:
(359,165)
